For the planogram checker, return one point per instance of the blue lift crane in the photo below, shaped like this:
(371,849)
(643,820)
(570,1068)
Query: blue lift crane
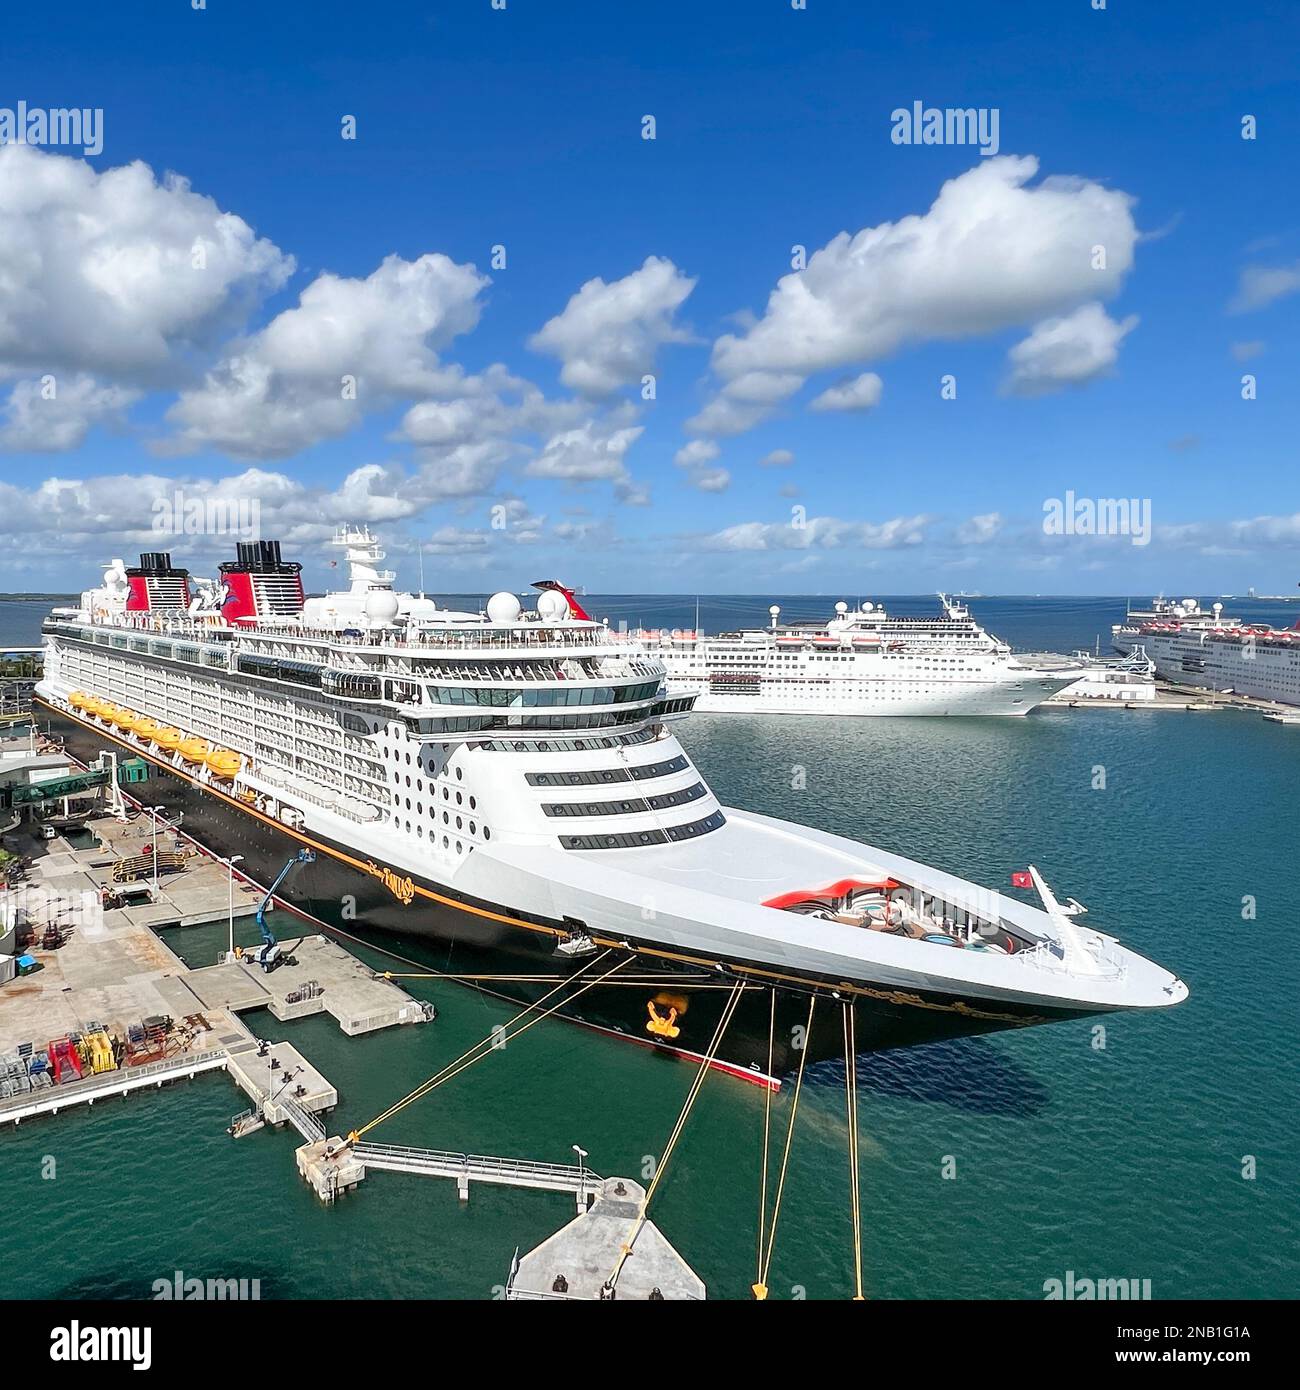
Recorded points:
(270,953)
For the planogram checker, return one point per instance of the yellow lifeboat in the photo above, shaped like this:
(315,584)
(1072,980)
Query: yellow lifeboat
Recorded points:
(89,705)
(167,738)
(195,750)
(110,712)
(223,762)
(147,728)
(127,719)
(77,700)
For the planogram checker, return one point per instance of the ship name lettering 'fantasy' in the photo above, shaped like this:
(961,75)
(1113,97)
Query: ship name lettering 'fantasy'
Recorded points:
(508,785)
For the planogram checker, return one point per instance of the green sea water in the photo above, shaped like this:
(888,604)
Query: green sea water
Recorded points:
(989,1166)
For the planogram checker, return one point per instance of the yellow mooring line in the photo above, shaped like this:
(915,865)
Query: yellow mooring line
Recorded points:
(760,1288)
(767,1132)
(696,1086)
(851,1098)
(494,1041)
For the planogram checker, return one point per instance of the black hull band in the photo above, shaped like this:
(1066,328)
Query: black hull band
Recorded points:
(465,936)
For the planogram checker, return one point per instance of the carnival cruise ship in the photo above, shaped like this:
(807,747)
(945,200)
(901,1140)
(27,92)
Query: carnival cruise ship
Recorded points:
(508,785)
(1229,656)
(861,662)
(1187,613)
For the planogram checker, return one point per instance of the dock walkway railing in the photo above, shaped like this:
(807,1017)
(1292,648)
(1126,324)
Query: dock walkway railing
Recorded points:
(50,1099)
(509,1172)
(302,1120)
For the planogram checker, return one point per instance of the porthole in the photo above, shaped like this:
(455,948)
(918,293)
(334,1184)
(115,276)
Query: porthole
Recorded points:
(445,842)
(460,800)
(473,803)
(487,833)
(459,823)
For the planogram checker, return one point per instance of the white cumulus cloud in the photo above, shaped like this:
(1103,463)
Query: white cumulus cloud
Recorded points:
(118,273)
(608,334)
(819,532)
(284,388)
(994,250)
(1069,351)
(1260,285)
(856,393)
(41,419)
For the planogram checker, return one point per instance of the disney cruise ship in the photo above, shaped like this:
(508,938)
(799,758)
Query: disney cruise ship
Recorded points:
(861,662)
(508,785)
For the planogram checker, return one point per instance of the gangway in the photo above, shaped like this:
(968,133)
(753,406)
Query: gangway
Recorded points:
(464,1168)
(302,1120)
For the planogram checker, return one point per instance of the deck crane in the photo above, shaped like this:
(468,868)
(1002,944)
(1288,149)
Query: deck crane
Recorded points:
(270,953)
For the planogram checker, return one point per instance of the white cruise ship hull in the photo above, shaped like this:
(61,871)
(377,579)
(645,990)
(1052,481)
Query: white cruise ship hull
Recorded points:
(873,698)
(1265,669)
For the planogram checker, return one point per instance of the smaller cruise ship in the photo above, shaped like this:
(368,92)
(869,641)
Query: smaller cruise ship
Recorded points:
(862,662)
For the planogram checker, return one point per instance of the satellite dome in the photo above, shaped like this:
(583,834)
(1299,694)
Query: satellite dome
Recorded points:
(503,608)
(381,605)
(552,606)
(420,609)
(841,607)
(868,607)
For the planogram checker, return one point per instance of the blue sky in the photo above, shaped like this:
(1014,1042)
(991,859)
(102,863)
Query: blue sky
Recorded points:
(522,128)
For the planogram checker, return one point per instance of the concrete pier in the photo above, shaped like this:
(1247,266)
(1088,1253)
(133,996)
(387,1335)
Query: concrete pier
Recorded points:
(325,979)
(329,1167)
(576,1262)
(113,969)
(276,1075)
(52,1099)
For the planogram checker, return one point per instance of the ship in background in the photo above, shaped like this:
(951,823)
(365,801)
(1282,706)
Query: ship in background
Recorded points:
(1187,613)
(1194,646)
(508,785)
(862,662)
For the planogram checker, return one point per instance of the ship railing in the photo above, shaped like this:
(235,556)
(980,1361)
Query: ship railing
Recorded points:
(273,782)
(540,639)
(1051,955)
